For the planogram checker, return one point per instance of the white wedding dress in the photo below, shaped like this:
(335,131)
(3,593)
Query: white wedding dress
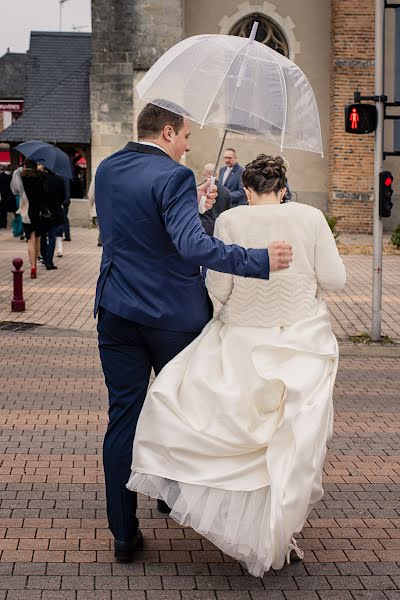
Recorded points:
(233,432)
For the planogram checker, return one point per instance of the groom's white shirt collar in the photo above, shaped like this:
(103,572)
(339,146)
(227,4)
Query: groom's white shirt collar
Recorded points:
(155,146)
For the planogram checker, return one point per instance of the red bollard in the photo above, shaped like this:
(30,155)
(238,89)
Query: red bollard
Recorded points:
(18,302)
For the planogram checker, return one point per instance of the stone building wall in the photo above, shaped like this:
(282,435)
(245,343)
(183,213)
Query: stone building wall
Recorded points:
(306,26)
(331,40)
(128,37)
(351,157)
(111,77)
(157,27)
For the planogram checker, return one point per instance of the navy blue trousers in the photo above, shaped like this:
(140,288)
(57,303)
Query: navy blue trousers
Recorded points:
(128,352)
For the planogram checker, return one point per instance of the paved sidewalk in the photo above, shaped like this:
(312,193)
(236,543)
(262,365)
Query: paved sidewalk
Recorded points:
(64,298)
(54,540)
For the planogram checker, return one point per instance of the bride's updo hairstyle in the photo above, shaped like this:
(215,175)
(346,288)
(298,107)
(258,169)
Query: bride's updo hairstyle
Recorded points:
(265,174)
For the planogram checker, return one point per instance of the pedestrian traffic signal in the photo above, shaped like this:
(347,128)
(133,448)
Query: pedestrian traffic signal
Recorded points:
(360,118)
(385,193)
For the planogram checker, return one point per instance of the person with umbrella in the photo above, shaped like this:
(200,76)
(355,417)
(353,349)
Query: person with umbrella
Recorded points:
(150,295)
(58,163)
(28,183)
(52,218)
(150,298)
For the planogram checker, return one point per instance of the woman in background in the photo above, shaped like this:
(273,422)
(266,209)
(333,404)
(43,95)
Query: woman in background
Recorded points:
(28,183)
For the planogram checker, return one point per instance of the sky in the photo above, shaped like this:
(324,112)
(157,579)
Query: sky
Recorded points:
(19,17)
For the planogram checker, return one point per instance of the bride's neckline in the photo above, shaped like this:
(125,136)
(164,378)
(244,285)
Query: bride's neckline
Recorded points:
(269,204)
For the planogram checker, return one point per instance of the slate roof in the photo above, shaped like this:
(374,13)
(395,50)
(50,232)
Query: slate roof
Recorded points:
(57,104)
(13,76)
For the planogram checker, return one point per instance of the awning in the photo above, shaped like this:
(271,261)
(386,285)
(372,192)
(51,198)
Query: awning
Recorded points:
(4,157)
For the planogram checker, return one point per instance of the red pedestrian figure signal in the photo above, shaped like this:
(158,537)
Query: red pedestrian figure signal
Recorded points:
(360,118)
(354,118)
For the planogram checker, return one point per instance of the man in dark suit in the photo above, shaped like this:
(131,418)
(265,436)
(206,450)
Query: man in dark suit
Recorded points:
(222,203)
(230,176)
(150,295)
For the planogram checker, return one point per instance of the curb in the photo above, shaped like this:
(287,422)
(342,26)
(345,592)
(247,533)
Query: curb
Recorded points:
(365,351)
(346,349)
(46,331)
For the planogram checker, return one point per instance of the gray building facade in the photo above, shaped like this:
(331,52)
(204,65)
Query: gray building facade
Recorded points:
(128,36)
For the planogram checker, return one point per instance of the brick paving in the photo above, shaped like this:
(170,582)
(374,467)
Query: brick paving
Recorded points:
(54,540)
(64,298)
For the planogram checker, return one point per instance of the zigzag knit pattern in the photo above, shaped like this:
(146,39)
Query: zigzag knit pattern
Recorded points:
(282,301)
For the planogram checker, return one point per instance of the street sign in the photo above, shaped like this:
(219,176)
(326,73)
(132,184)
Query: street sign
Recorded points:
(11,106)
(360,118)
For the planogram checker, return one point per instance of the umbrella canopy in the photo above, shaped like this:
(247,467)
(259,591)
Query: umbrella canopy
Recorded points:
(236,84)
(50,156)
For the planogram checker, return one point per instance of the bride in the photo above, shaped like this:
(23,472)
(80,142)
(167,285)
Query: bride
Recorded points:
(233,432)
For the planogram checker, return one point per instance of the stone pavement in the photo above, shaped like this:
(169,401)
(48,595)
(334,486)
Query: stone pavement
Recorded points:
(54,540)
(64,298)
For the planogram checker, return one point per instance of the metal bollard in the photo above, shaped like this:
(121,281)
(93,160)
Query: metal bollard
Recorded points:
(18,302)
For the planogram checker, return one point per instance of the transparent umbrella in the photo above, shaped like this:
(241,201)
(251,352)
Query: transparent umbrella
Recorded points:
(239,85)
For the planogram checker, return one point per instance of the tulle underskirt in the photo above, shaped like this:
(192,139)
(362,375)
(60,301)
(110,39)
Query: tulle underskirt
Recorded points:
(235,521)
(235,442)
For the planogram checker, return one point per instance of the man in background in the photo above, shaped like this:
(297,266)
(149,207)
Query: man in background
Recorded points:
(222,203)
(230,176)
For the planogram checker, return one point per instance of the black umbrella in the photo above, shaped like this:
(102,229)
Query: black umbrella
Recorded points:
(50,156)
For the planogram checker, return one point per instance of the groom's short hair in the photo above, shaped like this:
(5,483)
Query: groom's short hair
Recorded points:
(153,118)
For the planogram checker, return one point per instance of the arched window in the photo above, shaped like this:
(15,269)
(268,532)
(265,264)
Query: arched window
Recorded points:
(268,32)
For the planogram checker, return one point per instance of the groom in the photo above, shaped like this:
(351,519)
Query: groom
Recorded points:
(150,298)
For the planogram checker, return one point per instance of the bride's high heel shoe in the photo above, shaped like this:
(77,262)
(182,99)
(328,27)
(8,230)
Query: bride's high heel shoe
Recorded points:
(298,553)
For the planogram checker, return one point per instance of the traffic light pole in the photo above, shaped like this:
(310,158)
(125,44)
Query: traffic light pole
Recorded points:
(378,165)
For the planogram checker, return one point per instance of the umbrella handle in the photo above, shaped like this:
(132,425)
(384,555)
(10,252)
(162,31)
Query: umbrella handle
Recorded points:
(203,199)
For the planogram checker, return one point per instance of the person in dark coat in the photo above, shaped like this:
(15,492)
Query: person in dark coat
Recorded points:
(222,203)
(33,182)
(53,217)
(5,194)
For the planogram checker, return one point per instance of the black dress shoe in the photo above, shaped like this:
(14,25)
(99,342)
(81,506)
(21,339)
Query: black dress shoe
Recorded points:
(67,239)
(125,551)
(51,267)
(163,507)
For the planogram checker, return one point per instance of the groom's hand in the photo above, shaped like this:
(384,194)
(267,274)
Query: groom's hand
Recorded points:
(280,256)
(210,194)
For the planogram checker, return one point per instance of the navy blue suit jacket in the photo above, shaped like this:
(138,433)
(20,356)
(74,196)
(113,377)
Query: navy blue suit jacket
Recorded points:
(154,242)
(234,184)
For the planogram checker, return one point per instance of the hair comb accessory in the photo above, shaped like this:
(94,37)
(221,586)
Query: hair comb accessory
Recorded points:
(285,163)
